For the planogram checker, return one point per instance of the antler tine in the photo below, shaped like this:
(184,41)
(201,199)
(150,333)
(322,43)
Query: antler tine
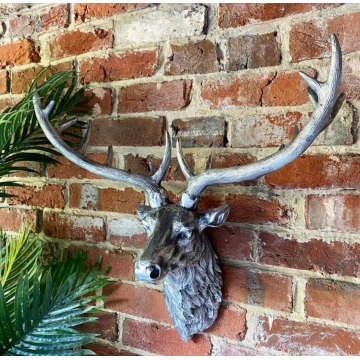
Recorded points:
(161,171)
(156,194)
(110,156)
(327,105)
(85,140)
(180,157)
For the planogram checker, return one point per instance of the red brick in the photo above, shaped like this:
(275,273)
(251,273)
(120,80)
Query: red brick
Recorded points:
(312,39)
(229,93)
(262,289)
(28,24)
(235,15)
(48,196)
(253,51)
(101,349)
(77,42)
(18,53)
(7,103)
(171,95)
(121,264)
(129,65)
(105,325)
(137,301)
(339,212)
(101,101)
(162,340)
(67,169)
(193,58)
(318,171)
(230,323)
(302,338)
(73,227)
(226,160)
(14,219)
(139,165)
(333,300)
(286,89)
(86,11)
(232,243)
(250,209)
(21,79)
(315,255)
(3,81)
(147,131)
(200,132)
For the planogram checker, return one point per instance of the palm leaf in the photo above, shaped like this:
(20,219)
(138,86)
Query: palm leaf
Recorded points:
(46,309)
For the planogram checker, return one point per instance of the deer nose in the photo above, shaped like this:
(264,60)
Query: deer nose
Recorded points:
(148,272)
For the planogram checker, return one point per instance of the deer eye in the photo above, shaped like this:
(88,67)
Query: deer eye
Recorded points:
(185,235)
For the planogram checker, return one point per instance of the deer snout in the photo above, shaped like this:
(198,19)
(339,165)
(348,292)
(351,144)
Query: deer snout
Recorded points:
(147,272)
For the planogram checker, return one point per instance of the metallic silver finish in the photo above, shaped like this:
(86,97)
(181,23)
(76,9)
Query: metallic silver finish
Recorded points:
(327,97)
(178,250)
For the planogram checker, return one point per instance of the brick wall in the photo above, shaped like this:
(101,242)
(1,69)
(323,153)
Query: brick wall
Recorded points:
(225,78)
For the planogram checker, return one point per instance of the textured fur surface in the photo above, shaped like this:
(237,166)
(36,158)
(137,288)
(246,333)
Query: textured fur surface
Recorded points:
(193,293)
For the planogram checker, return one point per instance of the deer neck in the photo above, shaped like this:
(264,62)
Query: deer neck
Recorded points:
(193,293)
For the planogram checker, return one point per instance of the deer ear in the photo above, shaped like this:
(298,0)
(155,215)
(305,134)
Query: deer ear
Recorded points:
(213,218)
(142,211)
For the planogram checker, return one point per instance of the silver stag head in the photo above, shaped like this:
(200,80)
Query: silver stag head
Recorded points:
(178,250)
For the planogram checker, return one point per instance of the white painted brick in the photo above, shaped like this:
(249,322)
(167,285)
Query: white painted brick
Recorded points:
(165,22)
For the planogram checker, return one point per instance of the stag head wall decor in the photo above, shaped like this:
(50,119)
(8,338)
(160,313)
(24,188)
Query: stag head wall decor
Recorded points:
(178,250)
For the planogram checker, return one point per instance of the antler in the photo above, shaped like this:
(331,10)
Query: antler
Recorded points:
(327,105)
(150,184)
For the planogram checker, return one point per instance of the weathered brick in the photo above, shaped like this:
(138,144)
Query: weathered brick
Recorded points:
(232,243)
(67,169)
(105,325)
(303,338)
(138,301)
(318,171)
(101,349)
(18,53)
(315,255)
(128,132)
(235,15)
(350,79)
(333,300)
(121,264)
(262,289)
(171,95)
(48,196)
(253,51)
(133,64)
(3,81)
(7,103)
(229,93)
(250,209)
(28,24)
(88,11)
(226,160)
(277,129)
(200,132)
(77,42)
(139,165)
(21,79)
(14,219)
(162,23)
(230,323)
(127,232)
(101,101)
(90,197)
(310,40)
(340,212)
(286,89)
(193,58)
(224,348)
(73,227)
(162,340)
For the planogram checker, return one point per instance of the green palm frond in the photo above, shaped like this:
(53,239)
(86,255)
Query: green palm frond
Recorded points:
(21,138)
(47,309)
